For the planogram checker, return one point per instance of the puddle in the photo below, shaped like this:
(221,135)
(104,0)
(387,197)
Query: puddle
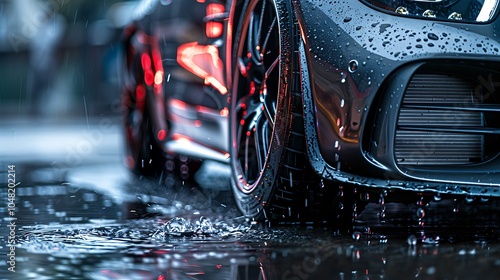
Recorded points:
(175,229)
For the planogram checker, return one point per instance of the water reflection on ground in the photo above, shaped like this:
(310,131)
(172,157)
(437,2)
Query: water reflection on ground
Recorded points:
(98,222)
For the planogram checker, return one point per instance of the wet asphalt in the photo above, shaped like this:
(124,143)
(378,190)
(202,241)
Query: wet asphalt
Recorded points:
(77,213)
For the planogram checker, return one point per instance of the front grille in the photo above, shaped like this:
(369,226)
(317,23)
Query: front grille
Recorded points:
(446,119)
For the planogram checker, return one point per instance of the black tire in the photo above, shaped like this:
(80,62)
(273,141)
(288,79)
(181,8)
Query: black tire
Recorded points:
(267,141)
(272,179)
(143,155)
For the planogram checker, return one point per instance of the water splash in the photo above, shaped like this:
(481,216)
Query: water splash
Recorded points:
(179,227)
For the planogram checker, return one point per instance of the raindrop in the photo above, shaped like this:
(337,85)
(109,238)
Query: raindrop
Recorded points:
(412,240)
(365,196)
(433,36)
(356,236)
(353,66)
(455,207)
(382,206)
(420,213)
(354,212)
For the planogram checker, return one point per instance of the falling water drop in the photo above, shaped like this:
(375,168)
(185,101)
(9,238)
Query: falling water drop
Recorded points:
(412,240)
(420,213)
(343,76)
(356,236)
(455,207)
(354,212)
(382,206)
(365,196)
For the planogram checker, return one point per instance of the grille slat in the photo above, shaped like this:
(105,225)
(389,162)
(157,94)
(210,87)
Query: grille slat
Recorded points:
(461,129)
(465,107)
(441,122)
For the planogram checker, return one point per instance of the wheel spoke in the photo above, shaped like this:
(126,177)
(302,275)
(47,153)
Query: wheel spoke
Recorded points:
(266,40)
(261,139)
(261,19)
(247,151)
(269,109)
(254,136)
(253,45)
(271,68)
(242,67)
(269,113)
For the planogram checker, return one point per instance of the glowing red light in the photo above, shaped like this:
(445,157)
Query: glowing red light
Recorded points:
(219,266)
(214,29)
(224,112)
(158,77)
(157,60)
(214,8)
(161,277)
(181,138)
(178,104)
(204,62)
(162,134)
(140,92)
(149,77)
(252,87)
(145,61)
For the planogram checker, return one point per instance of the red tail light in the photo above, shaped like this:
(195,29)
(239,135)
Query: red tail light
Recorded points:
(214,29)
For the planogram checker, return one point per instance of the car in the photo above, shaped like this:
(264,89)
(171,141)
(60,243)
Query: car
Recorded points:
(319,107)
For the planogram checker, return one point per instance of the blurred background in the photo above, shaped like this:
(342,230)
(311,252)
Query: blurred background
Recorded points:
(59,58)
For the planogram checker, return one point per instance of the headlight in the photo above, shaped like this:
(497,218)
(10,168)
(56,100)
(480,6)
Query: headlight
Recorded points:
(452,10)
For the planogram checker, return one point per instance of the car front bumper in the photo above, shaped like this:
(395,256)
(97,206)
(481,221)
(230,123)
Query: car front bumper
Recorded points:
(358,67)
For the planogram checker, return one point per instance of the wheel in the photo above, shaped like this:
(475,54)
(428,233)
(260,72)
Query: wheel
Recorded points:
(143,155)
(271,176)
(266,129)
